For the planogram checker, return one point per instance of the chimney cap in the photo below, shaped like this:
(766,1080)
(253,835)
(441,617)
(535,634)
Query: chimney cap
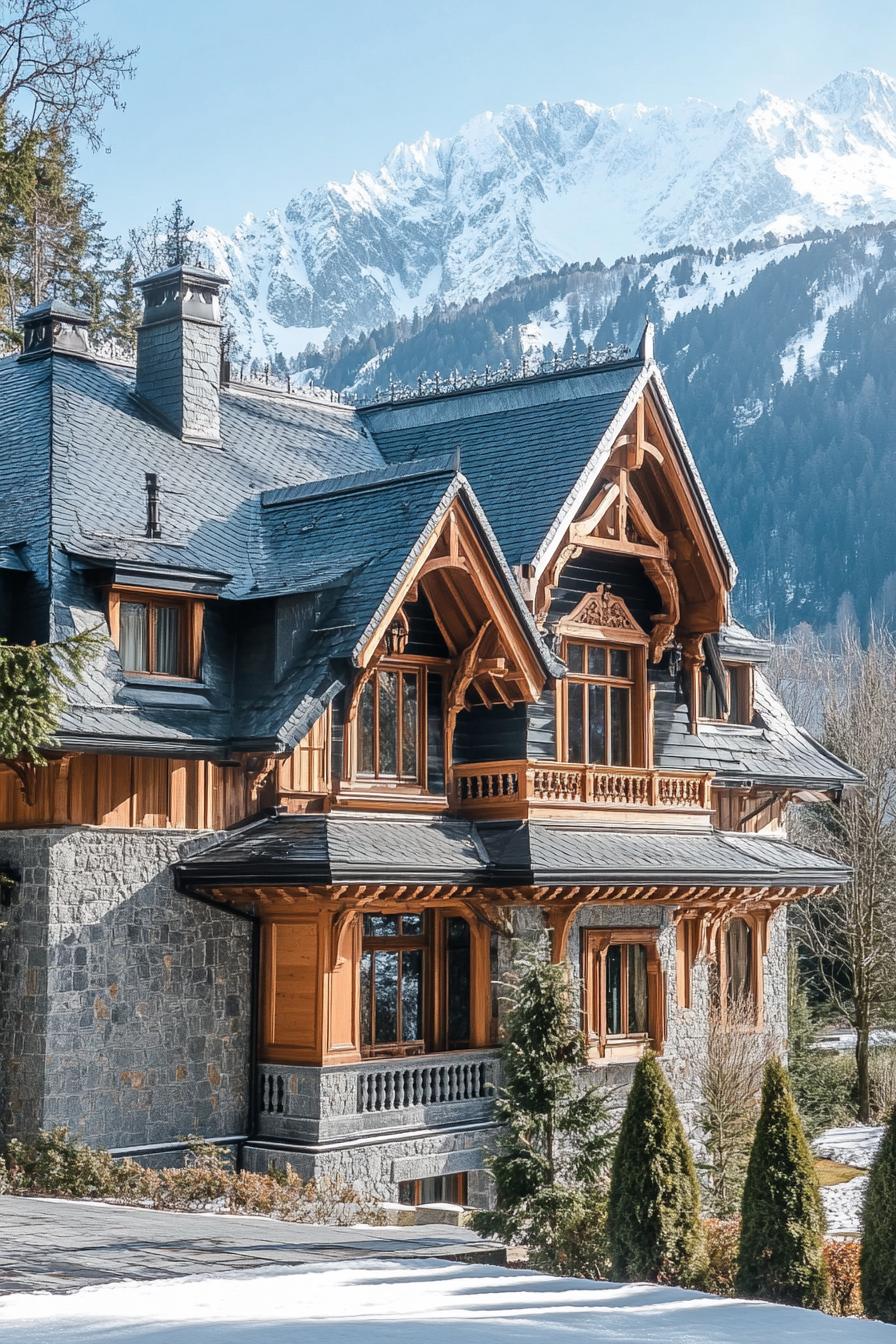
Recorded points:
(55,326)
(199,274)
(54,308)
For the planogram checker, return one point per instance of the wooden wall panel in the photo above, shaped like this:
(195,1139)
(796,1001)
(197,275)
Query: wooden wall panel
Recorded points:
(292,989)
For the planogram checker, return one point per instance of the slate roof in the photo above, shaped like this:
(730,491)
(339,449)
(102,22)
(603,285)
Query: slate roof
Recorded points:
(772,750)
(546,852)
(536,436)
(341,847)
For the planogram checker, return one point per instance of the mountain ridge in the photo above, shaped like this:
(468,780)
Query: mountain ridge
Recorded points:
(525,190)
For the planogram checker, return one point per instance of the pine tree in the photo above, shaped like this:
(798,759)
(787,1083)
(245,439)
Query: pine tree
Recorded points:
(654,1211)
(782,1219)
(125,307)
(879,1238)
(550,1164)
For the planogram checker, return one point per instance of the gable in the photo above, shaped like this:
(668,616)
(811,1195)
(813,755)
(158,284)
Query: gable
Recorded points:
(645,500)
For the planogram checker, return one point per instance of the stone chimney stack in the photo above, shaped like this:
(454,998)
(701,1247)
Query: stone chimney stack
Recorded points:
(179,351)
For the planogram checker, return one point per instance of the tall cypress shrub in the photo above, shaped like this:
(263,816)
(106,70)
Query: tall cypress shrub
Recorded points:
(782,1219)
(879,1236)
(654,1210)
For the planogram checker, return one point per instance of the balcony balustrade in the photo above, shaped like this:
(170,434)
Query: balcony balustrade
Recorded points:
(513,788)
(302,1103)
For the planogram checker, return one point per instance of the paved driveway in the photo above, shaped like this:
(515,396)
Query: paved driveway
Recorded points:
(56,1245)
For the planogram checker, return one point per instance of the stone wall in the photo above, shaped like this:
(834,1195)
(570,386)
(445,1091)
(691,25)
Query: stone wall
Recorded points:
(126,1005)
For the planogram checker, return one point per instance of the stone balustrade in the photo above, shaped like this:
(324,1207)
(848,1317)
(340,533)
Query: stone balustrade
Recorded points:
(306,1104)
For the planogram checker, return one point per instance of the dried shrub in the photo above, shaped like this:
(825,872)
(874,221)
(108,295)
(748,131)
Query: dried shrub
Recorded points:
(54,1164)
(842,1259)
(721,1237)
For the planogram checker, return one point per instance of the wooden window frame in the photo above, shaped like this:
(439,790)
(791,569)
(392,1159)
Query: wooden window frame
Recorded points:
(401,942)
(376,780)
(596,943)
(743,672)
(635,684)
(433,942)
(757,923)
(192,611)
(455,1190)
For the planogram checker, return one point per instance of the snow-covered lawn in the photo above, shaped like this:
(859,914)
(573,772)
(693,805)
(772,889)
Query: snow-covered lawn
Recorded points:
(855,1146)
(414,1301)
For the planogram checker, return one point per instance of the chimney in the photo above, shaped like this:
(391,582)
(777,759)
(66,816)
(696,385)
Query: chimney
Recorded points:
(55,327)
(179,351)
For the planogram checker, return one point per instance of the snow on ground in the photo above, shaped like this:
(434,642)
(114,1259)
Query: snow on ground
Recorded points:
(854,1145)
(843,1205)
(415,1301)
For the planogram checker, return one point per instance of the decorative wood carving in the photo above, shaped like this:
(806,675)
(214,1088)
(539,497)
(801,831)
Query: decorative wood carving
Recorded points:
(26,774)
(692,652)
(463,677)
(662,576)
(604,610)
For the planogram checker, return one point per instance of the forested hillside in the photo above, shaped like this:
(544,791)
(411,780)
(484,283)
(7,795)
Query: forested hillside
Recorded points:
(781,360)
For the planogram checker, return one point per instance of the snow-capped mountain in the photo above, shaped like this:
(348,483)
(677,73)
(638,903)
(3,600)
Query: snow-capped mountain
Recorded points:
(528,189)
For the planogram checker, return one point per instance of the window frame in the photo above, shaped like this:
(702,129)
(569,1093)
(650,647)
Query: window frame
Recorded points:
(191,611)
(757,924)
(595,946)
(433,942)
(635,684)
(737,675)
(378,779)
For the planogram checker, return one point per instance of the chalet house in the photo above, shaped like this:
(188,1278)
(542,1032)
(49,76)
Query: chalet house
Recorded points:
(381,690)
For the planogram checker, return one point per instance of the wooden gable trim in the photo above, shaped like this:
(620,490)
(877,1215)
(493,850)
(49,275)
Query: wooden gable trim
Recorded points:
(466,563)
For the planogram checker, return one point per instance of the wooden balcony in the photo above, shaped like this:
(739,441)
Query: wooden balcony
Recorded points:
(516,788)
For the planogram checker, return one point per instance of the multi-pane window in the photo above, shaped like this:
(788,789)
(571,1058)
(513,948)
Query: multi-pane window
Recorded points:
(389,725)
(152,637)
(623,990)
(416,977)
(434,1190)
(392,984)
(598,687)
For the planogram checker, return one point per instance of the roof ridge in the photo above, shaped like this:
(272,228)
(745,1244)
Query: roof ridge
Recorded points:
(442,464)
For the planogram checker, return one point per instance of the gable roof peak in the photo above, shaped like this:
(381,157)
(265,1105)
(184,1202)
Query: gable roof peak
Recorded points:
(645,345)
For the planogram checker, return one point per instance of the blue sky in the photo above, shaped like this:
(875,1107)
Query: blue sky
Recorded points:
(236,106)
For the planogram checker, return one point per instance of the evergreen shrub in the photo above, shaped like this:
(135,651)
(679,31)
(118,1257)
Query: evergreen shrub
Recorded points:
(782,1219)
(550,1162)
(879,1236)
(655,1231)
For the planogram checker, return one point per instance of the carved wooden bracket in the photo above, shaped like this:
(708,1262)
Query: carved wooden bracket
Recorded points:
(559,920)
(692,653)
(493,916)
(463,677)
(662,576)
(340,934)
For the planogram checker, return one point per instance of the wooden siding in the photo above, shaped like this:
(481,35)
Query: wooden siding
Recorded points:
(483,734)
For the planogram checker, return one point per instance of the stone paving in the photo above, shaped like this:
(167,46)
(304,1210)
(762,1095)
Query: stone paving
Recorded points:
(52,1245)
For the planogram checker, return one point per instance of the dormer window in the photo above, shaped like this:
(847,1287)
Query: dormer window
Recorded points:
(157,635)
(737,688)
(391,710)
